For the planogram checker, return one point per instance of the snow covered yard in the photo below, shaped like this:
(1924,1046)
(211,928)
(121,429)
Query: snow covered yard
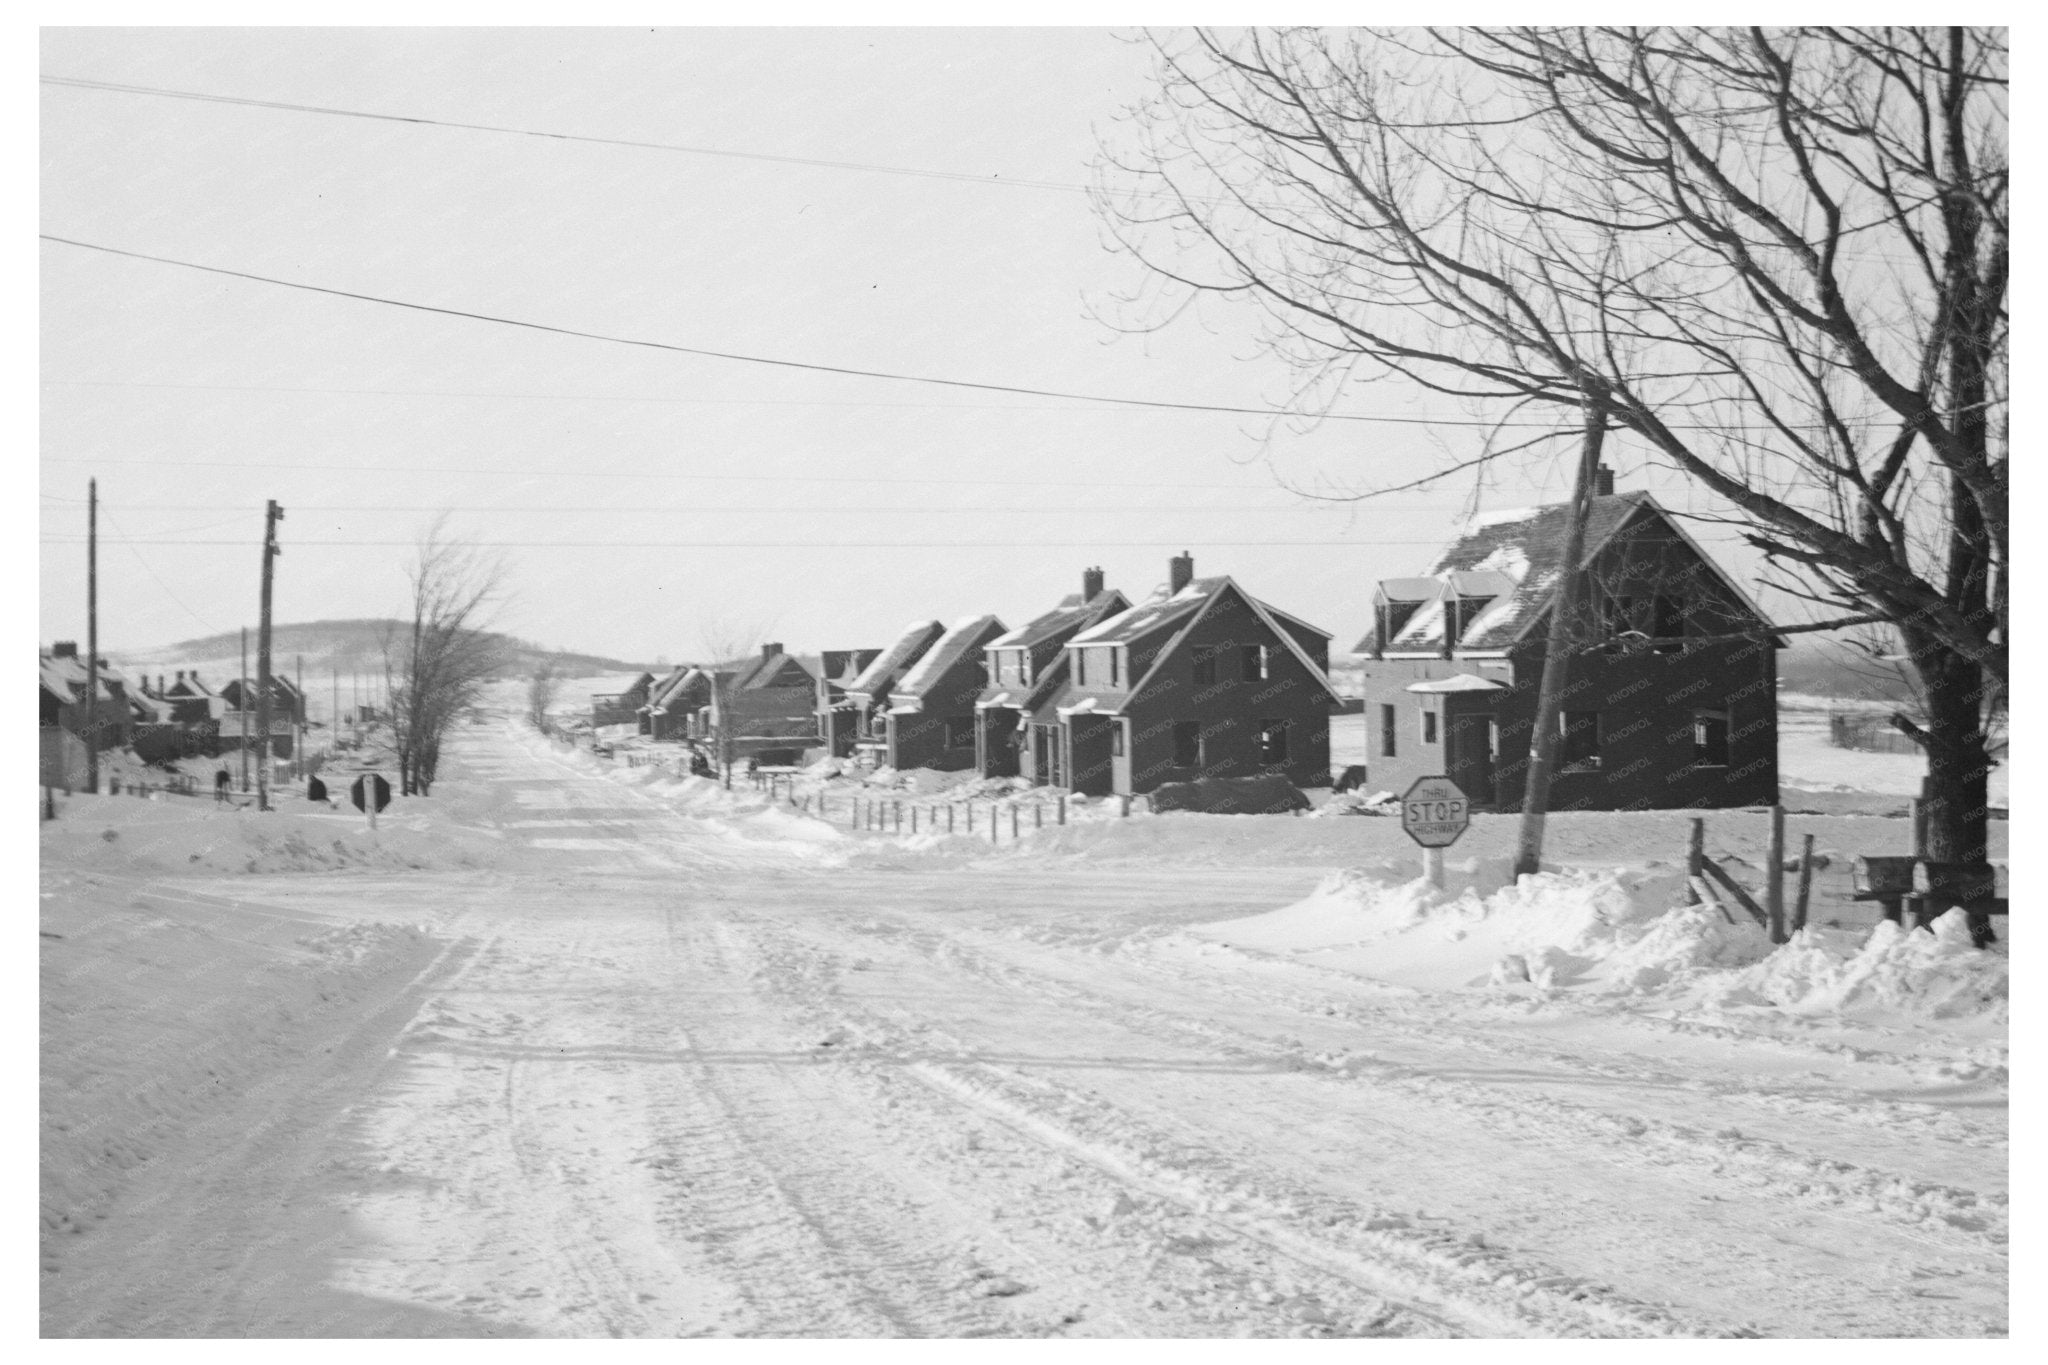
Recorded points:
(579,1049)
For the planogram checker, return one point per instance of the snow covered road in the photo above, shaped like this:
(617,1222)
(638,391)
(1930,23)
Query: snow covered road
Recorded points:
(671,1074)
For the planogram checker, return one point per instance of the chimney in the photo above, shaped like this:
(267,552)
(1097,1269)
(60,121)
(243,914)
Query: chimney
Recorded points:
(1091,583)
(770,651)
(181,677)
(1180,571)
(64,649)
(159,684)
(1603,482)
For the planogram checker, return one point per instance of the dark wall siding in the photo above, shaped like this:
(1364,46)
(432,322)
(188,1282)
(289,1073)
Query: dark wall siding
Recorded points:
(1646,704)
(1229,709)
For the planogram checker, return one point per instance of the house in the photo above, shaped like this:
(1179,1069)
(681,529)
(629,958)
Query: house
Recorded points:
(1026,665)
(622,708)
(1661,709)
(191,701)
(63,705)
(871,691)
(931,715)
(1201,679)
(673,703)
(768,710)
(838,716)
(285,699)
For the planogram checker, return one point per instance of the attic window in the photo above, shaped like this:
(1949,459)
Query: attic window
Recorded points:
(1668,616)
(1253,663)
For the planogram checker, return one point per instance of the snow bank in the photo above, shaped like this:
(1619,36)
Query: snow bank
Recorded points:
(1619,933)
(1893,971)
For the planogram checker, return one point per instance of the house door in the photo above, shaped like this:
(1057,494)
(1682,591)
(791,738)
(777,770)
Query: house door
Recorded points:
(1468,755)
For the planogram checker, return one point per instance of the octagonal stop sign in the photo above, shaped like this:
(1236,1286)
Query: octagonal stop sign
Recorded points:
(1435,812)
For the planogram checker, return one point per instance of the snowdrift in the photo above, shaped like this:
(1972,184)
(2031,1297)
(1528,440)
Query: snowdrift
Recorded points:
(1618,933)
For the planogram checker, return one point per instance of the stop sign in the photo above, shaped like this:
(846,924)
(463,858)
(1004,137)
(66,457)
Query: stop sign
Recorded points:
(1435,812)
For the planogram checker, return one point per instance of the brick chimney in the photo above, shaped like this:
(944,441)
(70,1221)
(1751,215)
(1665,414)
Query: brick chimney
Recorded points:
(64,649)
(1180,571)
(1091,583)
(771,650)
(1603,482)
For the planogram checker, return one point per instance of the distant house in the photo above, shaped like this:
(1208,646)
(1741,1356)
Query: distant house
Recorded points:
(1200,679)
(191,701)
(621,708)
(768,711)
(870,693)
(64,676)
(285,700)
(673,703)
(931,714)
(838,715)
(1025,667)
(1660,710)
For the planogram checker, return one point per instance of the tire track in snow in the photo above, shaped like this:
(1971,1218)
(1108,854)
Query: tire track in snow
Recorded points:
(1942,1213)
(1455,1282)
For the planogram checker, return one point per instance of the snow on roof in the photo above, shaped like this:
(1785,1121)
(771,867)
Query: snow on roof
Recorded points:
(1072,610)
(1502,516)
(1459,682)
(916,638)
(964,638)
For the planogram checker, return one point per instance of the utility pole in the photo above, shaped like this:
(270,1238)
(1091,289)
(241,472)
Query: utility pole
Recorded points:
(92,635)
(1564,637)
(299,716)
(272,515)
(242,706)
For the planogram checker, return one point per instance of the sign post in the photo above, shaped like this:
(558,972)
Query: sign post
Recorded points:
(371,793)
(1435,814)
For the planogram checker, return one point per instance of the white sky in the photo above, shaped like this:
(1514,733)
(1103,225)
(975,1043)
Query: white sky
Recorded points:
(824,510)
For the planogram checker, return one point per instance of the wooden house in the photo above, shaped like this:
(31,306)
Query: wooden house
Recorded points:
(191,701)
(1662,709)
(622,707)
(63,676)
(870,693)
(1201,679)
(768,711)
(838,716)
(931,715)
(674,702)
(285,699)
(1026,665)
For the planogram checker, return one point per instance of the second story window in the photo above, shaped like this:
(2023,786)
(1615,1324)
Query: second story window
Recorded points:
(1254,663)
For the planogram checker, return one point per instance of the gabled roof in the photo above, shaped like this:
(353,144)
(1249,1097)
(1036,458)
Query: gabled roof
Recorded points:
(1074,612)
(1180,611)
(673,688)
(910,646)
(1521,555)
(66,677)
(968,636)
(772,670)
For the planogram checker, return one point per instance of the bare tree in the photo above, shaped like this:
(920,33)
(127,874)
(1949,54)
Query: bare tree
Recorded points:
(438,666)
(1776,259)
(541,687)
(728,647)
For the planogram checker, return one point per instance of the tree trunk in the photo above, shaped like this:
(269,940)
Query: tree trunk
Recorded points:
(1958,768)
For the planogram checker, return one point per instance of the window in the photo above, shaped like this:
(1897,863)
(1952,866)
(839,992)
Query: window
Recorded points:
(1187,744)
(1617,614)
(1024,668)
(1580,751)
(1668,622)
(1272,741)
(1252,663)
(1080,668)
(1710,737)
(1115,665)
(1387,728)
(1116,739)
(959,732)
(1428,727)
(1205,663)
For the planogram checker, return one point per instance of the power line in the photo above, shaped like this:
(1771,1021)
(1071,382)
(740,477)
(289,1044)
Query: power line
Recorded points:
(151,571)
(647,398)
(113,87)
(825,509)
(796,544)
(1562,428)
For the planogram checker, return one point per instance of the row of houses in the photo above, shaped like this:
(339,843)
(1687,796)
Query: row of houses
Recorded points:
(164,718)
(1671,703)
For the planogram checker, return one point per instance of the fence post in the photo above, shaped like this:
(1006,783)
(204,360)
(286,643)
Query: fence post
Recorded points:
(899,815)
(1124,807)
(1013,821)
(949,817)
(970,817)
(1774,889)
(1920,821)
(1805,885)
(1037,815)
(913,819)
(994,821)
(1695,858)
(1063,808)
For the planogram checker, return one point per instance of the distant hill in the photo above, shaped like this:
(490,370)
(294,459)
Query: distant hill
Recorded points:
(348,646)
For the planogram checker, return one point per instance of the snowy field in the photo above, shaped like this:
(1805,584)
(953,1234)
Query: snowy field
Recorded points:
(580,1049)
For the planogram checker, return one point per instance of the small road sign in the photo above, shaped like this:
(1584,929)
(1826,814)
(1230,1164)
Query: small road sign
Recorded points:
(1435,813)
(368,790)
